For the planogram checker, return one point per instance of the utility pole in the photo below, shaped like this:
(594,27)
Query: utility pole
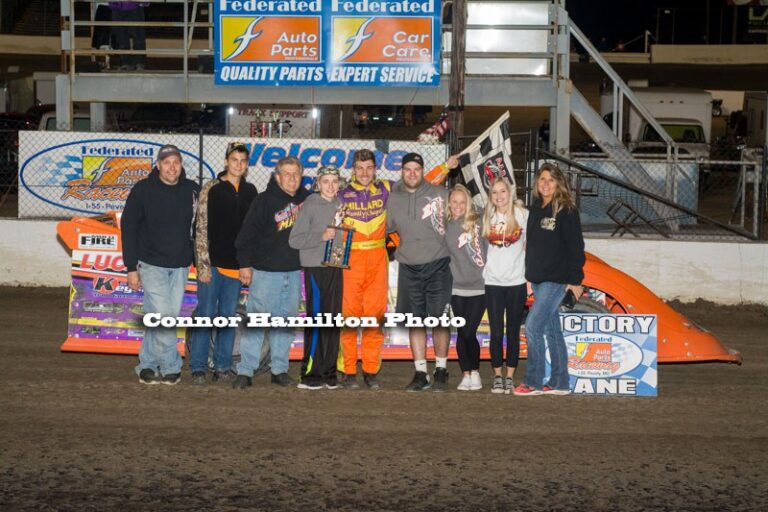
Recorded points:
(456,96)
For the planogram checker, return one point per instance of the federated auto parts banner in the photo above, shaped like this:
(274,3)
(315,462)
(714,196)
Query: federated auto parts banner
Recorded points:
(327,42)
(62,174)
(610,354)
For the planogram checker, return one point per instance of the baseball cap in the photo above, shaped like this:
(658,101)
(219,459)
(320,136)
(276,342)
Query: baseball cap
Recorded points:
(413,157)
(168,150)
(326,170)
(237,146)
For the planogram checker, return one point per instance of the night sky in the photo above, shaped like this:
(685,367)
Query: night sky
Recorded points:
(626,19)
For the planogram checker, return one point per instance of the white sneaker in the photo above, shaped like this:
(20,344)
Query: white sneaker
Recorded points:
(465,384)
(475,382)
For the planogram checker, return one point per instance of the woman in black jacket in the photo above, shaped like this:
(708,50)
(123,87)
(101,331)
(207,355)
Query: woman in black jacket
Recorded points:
(554,262)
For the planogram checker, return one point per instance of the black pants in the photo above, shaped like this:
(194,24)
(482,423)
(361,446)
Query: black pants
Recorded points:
(323,286)
(467,346)
(509,300)
(102,35)
(123,35)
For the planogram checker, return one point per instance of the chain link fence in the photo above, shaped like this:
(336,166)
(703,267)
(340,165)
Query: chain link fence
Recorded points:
(58,174)
(63,174)
(9,165)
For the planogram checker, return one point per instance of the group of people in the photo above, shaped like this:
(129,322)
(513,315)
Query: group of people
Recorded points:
(452,256)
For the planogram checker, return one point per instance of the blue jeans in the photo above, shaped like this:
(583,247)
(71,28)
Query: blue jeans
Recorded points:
(215,298)
(276,293)
(542,330)
(163,293)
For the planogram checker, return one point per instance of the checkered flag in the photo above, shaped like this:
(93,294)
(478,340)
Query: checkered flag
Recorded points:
(487,159)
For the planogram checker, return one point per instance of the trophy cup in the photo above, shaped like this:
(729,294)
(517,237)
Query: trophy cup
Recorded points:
(337,249)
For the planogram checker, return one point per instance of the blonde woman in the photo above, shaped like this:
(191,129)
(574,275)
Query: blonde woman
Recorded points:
(467,249)
(504,226)
(554,266)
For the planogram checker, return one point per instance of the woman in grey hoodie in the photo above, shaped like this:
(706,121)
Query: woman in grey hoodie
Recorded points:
(467,248)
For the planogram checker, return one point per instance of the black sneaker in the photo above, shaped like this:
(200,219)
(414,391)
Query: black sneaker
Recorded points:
(149,377)
(371,381)
(198,379)
(242,382)
(332,382)
(225,376)
(441,380)
(283,379)
(312,384)
(349,381)
(420,382)
(171,379)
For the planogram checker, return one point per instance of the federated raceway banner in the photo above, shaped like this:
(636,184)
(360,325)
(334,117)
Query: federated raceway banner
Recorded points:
(327,42)
(63,174)
(612,355)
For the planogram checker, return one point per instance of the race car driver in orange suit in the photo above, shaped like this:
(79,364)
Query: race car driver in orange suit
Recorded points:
(366,281)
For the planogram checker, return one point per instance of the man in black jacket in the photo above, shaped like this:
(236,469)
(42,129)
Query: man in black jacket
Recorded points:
(157,250)
(272,269)
(224,201)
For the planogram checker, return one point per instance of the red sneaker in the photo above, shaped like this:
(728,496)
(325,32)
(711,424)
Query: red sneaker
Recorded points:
(525,390)
(546,390)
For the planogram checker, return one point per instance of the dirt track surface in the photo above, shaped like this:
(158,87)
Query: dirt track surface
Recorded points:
(78,432)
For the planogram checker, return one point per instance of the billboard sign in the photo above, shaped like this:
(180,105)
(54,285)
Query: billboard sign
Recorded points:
(337,42)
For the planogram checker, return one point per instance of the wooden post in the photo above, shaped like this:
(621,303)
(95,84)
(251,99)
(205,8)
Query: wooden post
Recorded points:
(456,97)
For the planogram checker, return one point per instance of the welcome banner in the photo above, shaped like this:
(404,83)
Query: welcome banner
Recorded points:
(327,42)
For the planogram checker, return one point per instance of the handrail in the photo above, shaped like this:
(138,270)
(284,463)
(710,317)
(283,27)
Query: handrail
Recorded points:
(163,24)
(625,89)
(185,50)
(646,194)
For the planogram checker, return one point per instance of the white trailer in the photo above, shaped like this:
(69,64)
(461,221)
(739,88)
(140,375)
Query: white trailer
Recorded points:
(685,114)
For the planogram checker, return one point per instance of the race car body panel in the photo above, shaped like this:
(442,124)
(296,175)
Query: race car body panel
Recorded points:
(98,275)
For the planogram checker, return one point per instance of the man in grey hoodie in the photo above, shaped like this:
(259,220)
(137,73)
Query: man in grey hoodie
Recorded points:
(322,284)
(416,210)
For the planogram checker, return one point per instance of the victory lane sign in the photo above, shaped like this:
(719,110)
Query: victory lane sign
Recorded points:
(327,42)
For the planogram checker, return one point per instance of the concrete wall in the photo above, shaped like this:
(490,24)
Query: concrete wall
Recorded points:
(31,255)
(709,54)
(726,273)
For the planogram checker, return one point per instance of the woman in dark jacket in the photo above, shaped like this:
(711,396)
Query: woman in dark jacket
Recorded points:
(554,262)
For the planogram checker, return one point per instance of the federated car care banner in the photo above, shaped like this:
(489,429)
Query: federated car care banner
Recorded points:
(610,354)
(327,42)
(63,174)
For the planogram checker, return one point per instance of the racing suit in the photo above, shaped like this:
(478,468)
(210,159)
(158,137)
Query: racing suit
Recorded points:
(366,281)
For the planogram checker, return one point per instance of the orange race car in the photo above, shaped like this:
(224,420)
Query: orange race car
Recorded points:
(105,315)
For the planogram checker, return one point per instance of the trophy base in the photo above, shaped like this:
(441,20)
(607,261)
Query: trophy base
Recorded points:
(335,265)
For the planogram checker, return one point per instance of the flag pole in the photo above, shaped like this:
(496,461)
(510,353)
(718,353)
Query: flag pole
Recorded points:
(456,91)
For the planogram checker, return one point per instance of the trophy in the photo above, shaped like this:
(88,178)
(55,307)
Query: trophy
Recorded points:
(338,248)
